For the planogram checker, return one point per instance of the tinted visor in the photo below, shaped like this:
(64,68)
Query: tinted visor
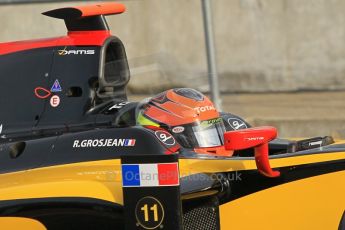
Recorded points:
(209,133)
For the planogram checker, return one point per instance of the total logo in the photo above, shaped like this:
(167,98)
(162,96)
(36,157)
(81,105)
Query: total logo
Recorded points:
(204,108)
(75,52)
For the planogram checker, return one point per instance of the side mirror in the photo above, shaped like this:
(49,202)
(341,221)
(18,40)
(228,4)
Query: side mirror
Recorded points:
(257,138)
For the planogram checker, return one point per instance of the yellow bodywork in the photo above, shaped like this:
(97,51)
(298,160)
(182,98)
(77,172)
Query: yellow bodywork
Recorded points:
(315,203)
(102,179)
(316,198)
(17,223)
(96,179)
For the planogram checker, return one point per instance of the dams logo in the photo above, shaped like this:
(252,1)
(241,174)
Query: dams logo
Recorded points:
(65,52)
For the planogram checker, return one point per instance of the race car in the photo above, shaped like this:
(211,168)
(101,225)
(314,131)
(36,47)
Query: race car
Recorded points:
(76,154)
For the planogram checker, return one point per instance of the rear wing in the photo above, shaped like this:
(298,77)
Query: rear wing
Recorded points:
(86,18)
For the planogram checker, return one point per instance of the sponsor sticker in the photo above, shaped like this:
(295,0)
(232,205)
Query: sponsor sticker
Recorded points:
(236,123)
(65,52)
(165,137)
(211,122)
(254,138)
(42,93)
(204,108)
(94,143)
(150,175)
(55,101)
(178,129)
(319,143)
(56,87)
(119,105)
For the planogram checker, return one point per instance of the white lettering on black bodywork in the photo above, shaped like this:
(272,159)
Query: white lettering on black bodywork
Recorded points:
(75,52)
(118,105)
(316,143)
(94,143)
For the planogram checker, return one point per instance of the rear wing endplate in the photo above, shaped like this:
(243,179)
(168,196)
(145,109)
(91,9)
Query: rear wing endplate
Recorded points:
(87,18)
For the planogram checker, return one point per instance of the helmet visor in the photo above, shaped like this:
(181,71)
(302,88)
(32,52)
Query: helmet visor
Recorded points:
(208,133)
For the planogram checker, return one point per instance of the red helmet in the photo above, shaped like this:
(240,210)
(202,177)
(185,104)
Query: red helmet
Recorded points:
(189,116)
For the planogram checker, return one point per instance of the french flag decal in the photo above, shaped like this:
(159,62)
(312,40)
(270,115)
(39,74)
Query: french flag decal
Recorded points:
(129,142)
(150,175)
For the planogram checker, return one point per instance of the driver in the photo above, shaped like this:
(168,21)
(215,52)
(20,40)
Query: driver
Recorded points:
(189,116)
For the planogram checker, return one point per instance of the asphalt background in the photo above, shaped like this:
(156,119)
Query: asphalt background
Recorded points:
(303,114)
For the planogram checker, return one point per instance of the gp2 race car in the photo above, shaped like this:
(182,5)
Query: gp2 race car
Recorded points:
(74,156)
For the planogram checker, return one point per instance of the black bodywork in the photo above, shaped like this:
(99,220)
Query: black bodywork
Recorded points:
(86,81)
